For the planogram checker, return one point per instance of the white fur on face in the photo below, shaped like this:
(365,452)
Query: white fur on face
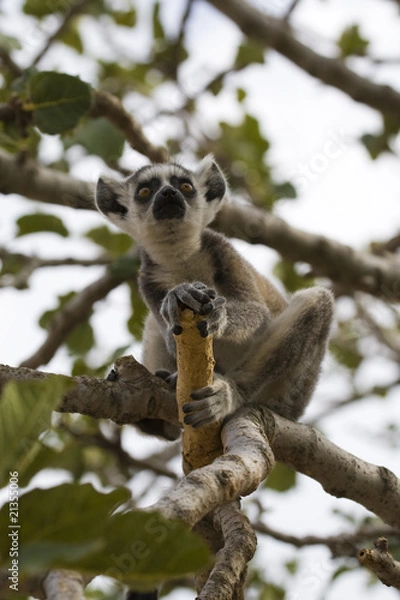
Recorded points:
(155,236)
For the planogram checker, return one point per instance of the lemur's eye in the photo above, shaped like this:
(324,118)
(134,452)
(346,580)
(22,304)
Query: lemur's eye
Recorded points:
(144,192)
(186,187)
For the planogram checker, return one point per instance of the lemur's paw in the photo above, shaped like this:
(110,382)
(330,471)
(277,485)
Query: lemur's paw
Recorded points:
(210,404)
(202,300)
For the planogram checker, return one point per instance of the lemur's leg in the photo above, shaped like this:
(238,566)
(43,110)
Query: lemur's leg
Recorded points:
(280,372)
(284,372)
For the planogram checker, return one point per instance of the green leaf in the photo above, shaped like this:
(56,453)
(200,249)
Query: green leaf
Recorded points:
(345,345)
(115,243)
(63,518)
(139,311)
(41,8)
(9,43)
(158,550)
(291,279)
(249,52)
(216,86)
(292,566)
(285,190)
(11,140)
(351,43)
(20,84)
(346,353)
(272,592)
(25,412)
(241,94)
(158,29)
(125,267)
(70,526)
(48,315)
(376,144)
(69,458)
(282,478)
(127,19)
(39,222)
(99,137)
(71,37)
(57,101)
(81,339)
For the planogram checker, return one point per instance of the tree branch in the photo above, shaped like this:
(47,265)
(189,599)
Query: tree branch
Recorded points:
(24,176)
(352,269)
(135,395)
(343,544)
(65,584)
(382,563)
(8,62)
(340,473)
(227,579)
(73,9)
(107,105)
(275,33)
(195,366)
(77,310)
(248,459)
(29,264)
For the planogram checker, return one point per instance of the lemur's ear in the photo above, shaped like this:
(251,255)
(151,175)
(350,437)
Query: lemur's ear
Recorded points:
(110,195)
(211,176)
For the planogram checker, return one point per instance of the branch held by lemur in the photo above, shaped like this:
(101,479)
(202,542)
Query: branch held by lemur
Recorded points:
(195,362)
(200,447)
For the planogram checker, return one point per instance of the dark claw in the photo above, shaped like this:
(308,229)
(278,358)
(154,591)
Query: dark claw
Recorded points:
(203,328)
(112,376)
(163,374)
(195,422)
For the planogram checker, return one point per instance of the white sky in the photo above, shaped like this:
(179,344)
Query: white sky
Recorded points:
(313,129)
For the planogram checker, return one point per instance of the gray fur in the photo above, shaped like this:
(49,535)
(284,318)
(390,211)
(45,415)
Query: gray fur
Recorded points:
(267,350)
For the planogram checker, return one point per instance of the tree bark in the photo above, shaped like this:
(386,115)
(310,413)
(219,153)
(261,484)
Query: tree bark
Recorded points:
(195,362)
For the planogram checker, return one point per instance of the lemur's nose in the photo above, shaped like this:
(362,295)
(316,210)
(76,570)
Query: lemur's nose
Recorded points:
(168,192)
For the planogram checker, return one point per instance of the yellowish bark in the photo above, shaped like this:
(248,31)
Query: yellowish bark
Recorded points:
(195,362)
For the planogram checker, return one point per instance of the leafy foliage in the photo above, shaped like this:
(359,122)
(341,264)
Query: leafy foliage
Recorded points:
(57,101)
(351,42)
(114,242)
(282,478)
(39,223)
(25,413)
(98,137)
(75,526)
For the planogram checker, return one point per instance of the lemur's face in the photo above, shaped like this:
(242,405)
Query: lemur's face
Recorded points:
(166,192)
(163,200)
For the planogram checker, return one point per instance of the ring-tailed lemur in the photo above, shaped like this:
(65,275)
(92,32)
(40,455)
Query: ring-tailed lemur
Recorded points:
(267,350)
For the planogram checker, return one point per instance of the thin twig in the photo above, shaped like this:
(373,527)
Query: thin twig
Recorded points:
(379,560)
(8,62)
(76,7)
(72,314)
(343,544)
(107,105)
(292,7)
(274,33)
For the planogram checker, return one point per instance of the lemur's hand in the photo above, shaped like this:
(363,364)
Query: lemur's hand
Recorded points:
(202,300)
(211,404)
